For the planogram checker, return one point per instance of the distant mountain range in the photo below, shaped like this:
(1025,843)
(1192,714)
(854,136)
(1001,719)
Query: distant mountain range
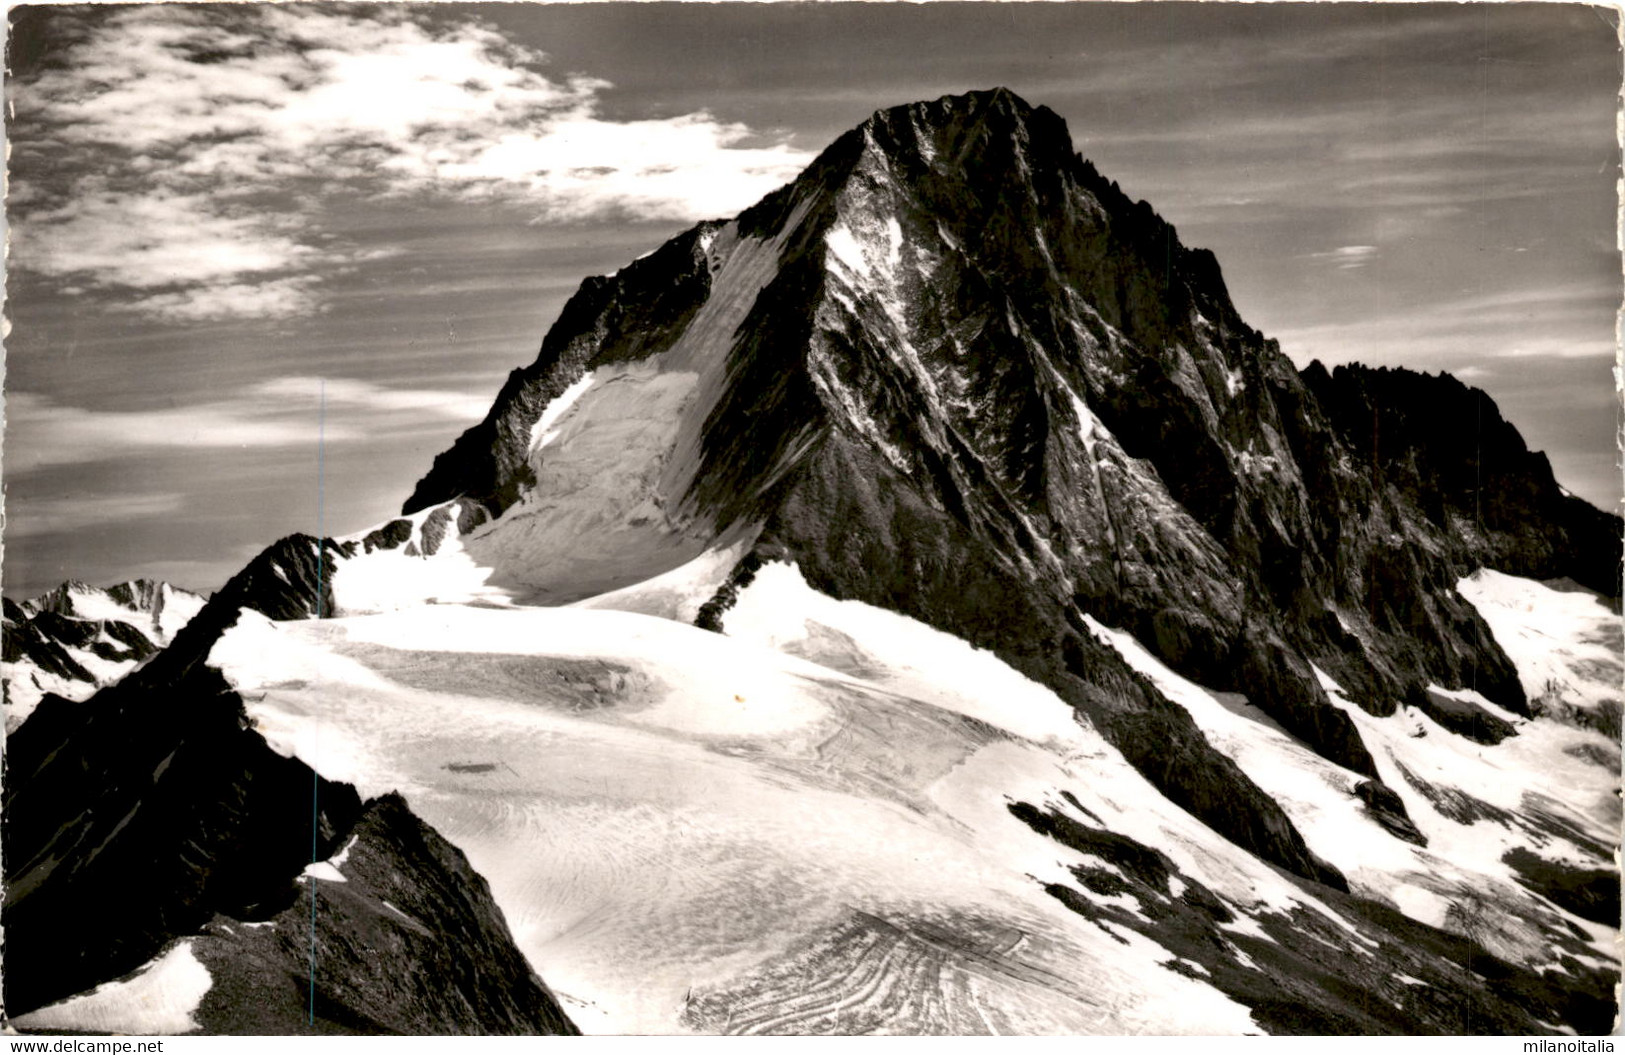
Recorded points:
(77,638)
(918,604)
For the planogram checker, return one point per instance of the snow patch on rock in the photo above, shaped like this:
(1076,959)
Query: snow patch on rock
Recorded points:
(1499,792)
(161,998)
(543,433)
(403,577)
(848,252)
(323,870)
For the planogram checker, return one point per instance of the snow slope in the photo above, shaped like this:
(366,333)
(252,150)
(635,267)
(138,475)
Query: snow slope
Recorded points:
(670,818)
(160,998)
(613,457)
(432,566)
(1564,640)
(787,827)
(1426,764)
(813,822)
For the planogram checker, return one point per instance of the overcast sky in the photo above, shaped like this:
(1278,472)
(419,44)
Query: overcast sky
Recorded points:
(219,213)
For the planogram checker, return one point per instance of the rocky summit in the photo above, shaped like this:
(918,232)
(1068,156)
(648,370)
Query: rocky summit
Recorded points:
(920,603)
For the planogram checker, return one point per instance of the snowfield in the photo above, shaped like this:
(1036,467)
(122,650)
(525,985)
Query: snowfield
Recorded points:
(27,685)
(1564,640)
(160,998)
(691,832)
(786,827)
(390,579)
(613,455)
(807,824)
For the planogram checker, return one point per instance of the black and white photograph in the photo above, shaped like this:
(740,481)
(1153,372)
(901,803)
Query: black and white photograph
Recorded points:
(696,519)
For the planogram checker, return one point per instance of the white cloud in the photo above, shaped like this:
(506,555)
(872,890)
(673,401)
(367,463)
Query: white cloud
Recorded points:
(578,166)
(42,433)
(1541,322)
(161,238)
(287,412)
(1348,257)
(50,516)
(200,143)
(341,397)
(1557,346)
(276,298)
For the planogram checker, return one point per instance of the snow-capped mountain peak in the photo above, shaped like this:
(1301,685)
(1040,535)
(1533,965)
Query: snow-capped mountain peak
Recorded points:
(77,638)
(933,547)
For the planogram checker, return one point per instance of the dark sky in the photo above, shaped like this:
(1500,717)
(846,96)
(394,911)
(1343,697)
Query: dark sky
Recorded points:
(239,229)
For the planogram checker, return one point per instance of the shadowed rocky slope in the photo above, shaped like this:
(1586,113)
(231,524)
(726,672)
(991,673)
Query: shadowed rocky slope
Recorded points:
(409,942)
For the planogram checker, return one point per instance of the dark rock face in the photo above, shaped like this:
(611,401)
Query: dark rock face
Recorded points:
(1408,498)
(1280,683)
(410,943)
(290,579)
(167,810)
(1384,805)
(392,535)
(1591,893)
(126,641)
(1463,718)
(27,640)
(1481,487)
